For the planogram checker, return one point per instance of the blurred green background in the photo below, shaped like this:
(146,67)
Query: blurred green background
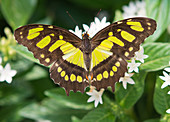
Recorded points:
(54,11)
(32,95)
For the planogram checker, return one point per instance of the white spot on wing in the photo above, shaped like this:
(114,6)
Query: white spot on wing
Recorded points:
(69,54)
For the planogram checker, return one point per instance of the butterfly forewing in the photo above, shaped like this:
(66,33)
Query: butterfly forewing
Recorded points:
(45,41)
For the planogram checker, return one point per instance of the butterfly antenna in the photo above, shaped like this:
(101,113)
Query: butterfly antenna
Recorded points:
(96,16)
(98,12)
(71,18)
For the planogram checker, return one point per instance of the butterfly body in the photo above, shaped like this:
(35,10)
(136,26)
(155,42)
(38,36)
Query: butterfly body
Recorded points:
(77,63)
(86,49)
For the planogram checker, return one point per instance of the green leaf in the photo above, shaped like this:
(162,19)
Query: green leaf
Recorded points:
(152,120)
(128,97)
(161,98)
(17,12)
(25,53)
(33,75)
(99,115)
(158,10)
(10,95)
(22,65)
(11,113)
(75,119)
(159,56)
(74,100)
(50,110)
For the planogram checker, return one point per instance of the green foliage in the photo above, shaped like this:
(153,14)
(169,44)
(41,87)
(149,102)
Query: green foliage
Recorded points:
(58,107)
(127,98)
(161,105)
(159,56)
(158,10)
(72,101)
(25,53)
(99,115)
(32,96)
(17,12)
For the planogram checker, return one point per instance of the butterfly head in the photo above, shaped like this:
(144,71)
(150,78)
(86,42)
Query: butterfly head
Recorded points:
(86,46)
(85,36)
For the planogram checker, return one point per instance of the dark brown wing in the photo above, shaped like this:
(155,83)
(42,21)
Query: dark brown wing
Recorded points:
(39,39)
(115,44)
(51,44)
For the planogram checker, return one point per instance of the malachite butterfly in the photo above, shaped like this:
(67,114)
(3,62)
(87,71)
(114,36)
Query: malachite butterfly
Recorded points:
(77,63)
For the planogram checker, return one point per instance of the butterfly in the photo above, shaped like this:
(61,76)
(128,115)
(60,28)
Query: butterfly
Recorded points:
(99,61)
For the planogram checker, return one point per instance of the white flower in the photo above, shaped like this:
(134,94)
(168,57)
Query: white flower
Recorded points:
(127,79)
(7,74)
(139,55)
(133,66)
(77,32)
(167,69)
(90,30)
(134,9)
(168,111)
(169,92)
(166,78)
(95,26)
(95,96)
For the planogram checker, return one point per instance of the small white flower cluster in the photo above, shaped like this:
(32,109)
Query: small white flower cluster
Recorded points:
(6,73)
(95,96)
(166,78)
(5,45)
(135,9)
(133,66)
(95,27)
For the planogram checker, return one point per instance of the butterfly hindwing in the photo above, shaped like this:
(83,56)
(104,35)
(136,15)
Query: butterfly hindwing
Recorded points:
(117,42)
(108,72)
(69,76)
